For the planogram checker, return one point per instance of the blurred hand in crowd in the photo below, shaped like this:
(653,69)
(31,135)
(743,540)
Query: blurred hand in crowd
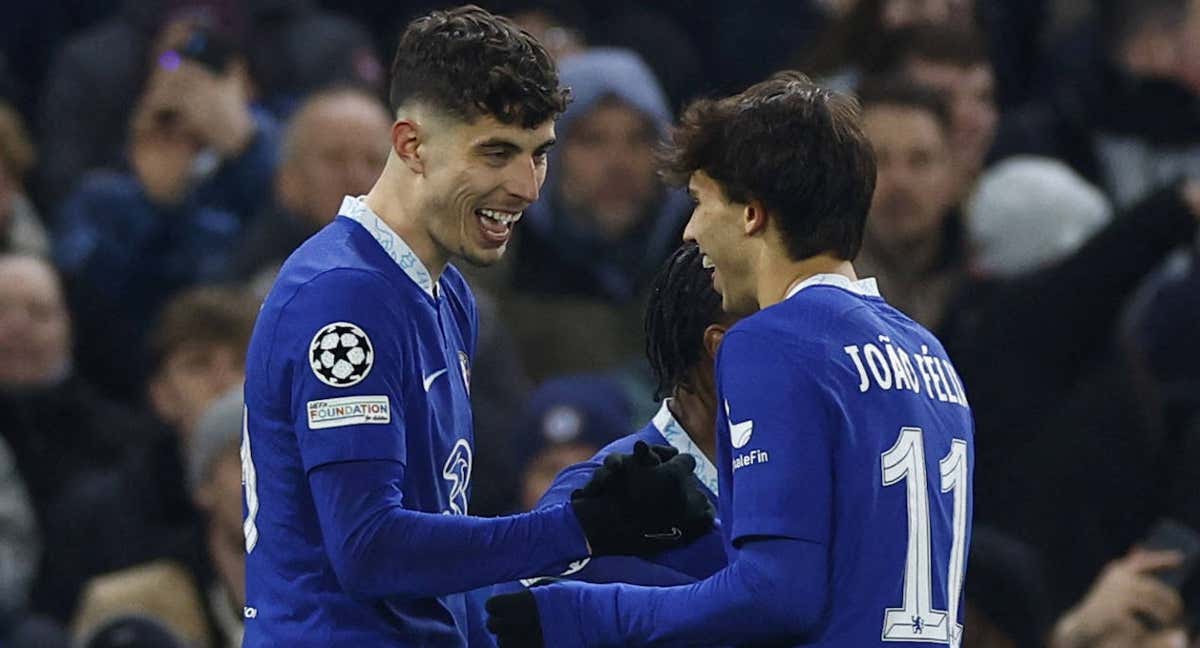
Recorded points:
(1127,606)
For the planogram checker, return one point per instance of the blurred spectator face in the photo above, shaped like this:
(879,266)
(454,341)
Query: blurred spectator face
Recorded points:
(559,39)
(912,192)
(898,14)
(545,466)
(609,167)
(35,330)
(190,378)
(337,146)
(220,495)
(971,95)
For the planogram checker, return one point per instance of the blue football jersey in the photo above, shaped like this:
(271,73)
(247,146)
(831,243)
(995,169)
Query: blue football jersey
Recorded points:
(356,355)
(844,423)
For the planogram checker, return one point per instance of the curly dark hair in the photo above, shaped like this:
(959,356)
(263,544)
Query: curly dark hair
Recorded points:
(471,63)
(794,146)
(681,305)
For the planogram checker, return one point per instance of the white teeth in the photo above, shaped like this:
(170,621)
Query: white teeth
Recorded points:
(707,262)
(508,218)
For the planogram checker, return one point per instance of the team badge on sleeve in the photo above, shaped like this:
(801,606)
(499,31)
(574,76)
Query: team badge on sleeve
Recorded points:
(341,354)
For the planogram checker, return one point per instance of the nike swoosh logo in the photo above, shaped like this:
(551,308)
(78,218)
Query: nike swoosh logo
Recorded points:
(432,377)
(673,534)
(739,433)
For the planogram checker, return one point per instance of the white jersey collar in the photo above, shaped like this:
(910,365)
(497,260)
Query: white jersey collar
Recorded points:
(865,287)
(679,439)
(356,209)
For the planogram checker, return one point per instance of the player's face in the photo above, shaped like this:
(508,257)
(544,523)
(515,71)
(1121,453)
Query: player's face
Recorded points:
(35,335)
(913,185)
(481,176)
(717,227)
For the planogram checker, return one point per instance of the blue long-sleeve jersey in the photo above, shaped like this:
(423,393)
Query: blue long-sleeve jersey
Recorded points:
(357,453)
(845,454)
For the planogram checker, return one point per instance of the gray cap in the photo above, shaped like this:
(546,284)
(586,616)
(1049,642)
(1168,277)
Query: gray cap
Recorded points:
(1028,212)
(220,428)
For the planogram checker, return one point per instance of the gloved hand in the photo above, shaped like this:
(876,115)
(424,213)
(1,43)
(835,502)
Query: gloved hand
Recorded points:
(642,503)
(513,618)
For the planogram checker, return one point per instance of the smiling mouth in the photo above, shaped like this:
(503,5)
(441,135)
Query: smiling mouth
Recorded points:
(497,224)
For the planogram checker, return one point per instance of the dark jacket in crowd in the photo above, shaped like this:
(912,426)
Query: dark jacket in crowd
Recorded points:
(1058,414)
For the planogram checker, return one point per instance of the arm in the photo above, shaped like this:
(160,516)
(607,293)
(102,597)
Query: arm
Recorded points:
(774,590)
(379,548)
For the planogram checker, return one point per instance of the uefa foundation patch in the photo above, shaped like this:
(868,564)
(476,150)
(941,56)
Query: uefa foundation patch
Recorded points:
(351,410)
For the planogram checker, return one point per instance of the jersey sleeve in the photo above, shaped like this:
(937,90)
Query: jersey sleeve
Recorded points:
(775,418)
(342,354)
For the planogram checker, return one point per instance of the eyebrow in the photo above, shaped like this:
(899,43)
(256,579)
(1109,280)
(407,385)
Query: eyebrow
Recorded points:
(509,145)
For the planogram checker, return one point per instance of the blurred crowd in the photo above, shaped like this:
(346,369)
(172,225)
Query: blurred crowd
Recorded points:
(1037,205)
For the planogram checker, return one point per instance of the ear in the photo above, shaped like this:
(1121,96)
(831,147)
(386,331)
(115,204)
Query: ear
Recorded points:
(406,140)
(713,335)
(754,217)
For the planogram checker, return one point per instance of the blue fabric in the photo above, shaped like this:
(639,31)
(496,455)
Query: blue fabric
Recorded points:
(358,475)
(845,437)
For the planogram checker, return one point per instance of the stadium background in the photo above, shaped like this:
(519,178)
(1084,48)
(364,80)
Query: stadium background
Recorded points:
(1037,205)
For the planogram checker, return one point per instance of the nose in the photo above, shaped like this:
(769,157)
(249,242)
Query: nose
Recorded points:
(525,182)
(689,231)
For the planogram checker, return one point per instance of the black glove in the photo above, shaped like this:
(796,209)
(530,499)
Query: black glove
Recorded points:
(642,503)
(513,618)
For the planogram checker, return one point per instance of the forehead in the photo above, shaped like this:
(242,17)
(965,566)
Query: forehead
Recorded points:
(898,125)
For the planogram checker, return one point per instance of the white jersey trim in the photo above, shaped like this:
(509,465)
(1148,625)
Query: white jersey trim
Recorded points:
(678,437)
(865,287)
(356,209)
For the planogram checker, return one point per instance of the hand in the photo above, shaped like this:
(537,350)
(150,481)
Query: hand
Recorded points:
(1124,597)
(642,503)
(216,106)
(513,618)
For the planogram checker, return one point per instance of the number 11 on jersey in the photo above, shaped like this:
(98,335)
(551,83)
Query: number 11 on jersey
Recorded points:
(916,620)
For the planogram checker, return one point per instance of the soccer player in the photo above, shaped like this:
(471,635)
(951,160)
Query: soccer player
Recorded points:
(684,327)
(844,435)
(357,446)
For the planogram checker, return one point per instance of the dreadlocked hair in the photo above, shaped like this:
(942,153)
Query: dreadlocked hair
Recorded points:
(682,304)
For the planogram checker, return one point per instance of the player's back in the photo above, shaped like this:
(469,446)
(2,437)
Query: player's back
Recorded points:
(878,465)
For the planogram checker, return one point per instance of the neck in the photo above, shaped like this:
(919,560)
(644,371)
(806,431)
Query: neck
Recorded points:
(697,413)
(777,278)
(387,200)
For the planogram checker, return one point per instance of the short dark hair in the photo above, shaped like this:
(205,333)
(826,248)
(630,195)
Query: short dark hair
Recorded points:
(901,91)
(794,146)
(681,305)
(470,63)
(211,316)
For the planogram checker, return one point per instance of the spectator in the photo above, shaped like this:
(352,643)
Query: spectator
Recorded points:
(955,63)
(586,251)
(1028,213)
(566,421)
(21,228)
(215,477)
(19,543)
(334,146)
(149,606)
(139,509)
(128,242)
(1005,599)
(1058,403)
(912,244)
(296,48)
(1123,109)
(56,424)
(557,25)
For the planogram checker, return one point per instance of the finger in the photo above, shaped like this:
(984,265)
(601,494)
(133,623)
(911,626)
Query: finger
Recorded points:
(1145,560)
(681,465)
(642,455)
(615,460)
(664,452)
(1156,600)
